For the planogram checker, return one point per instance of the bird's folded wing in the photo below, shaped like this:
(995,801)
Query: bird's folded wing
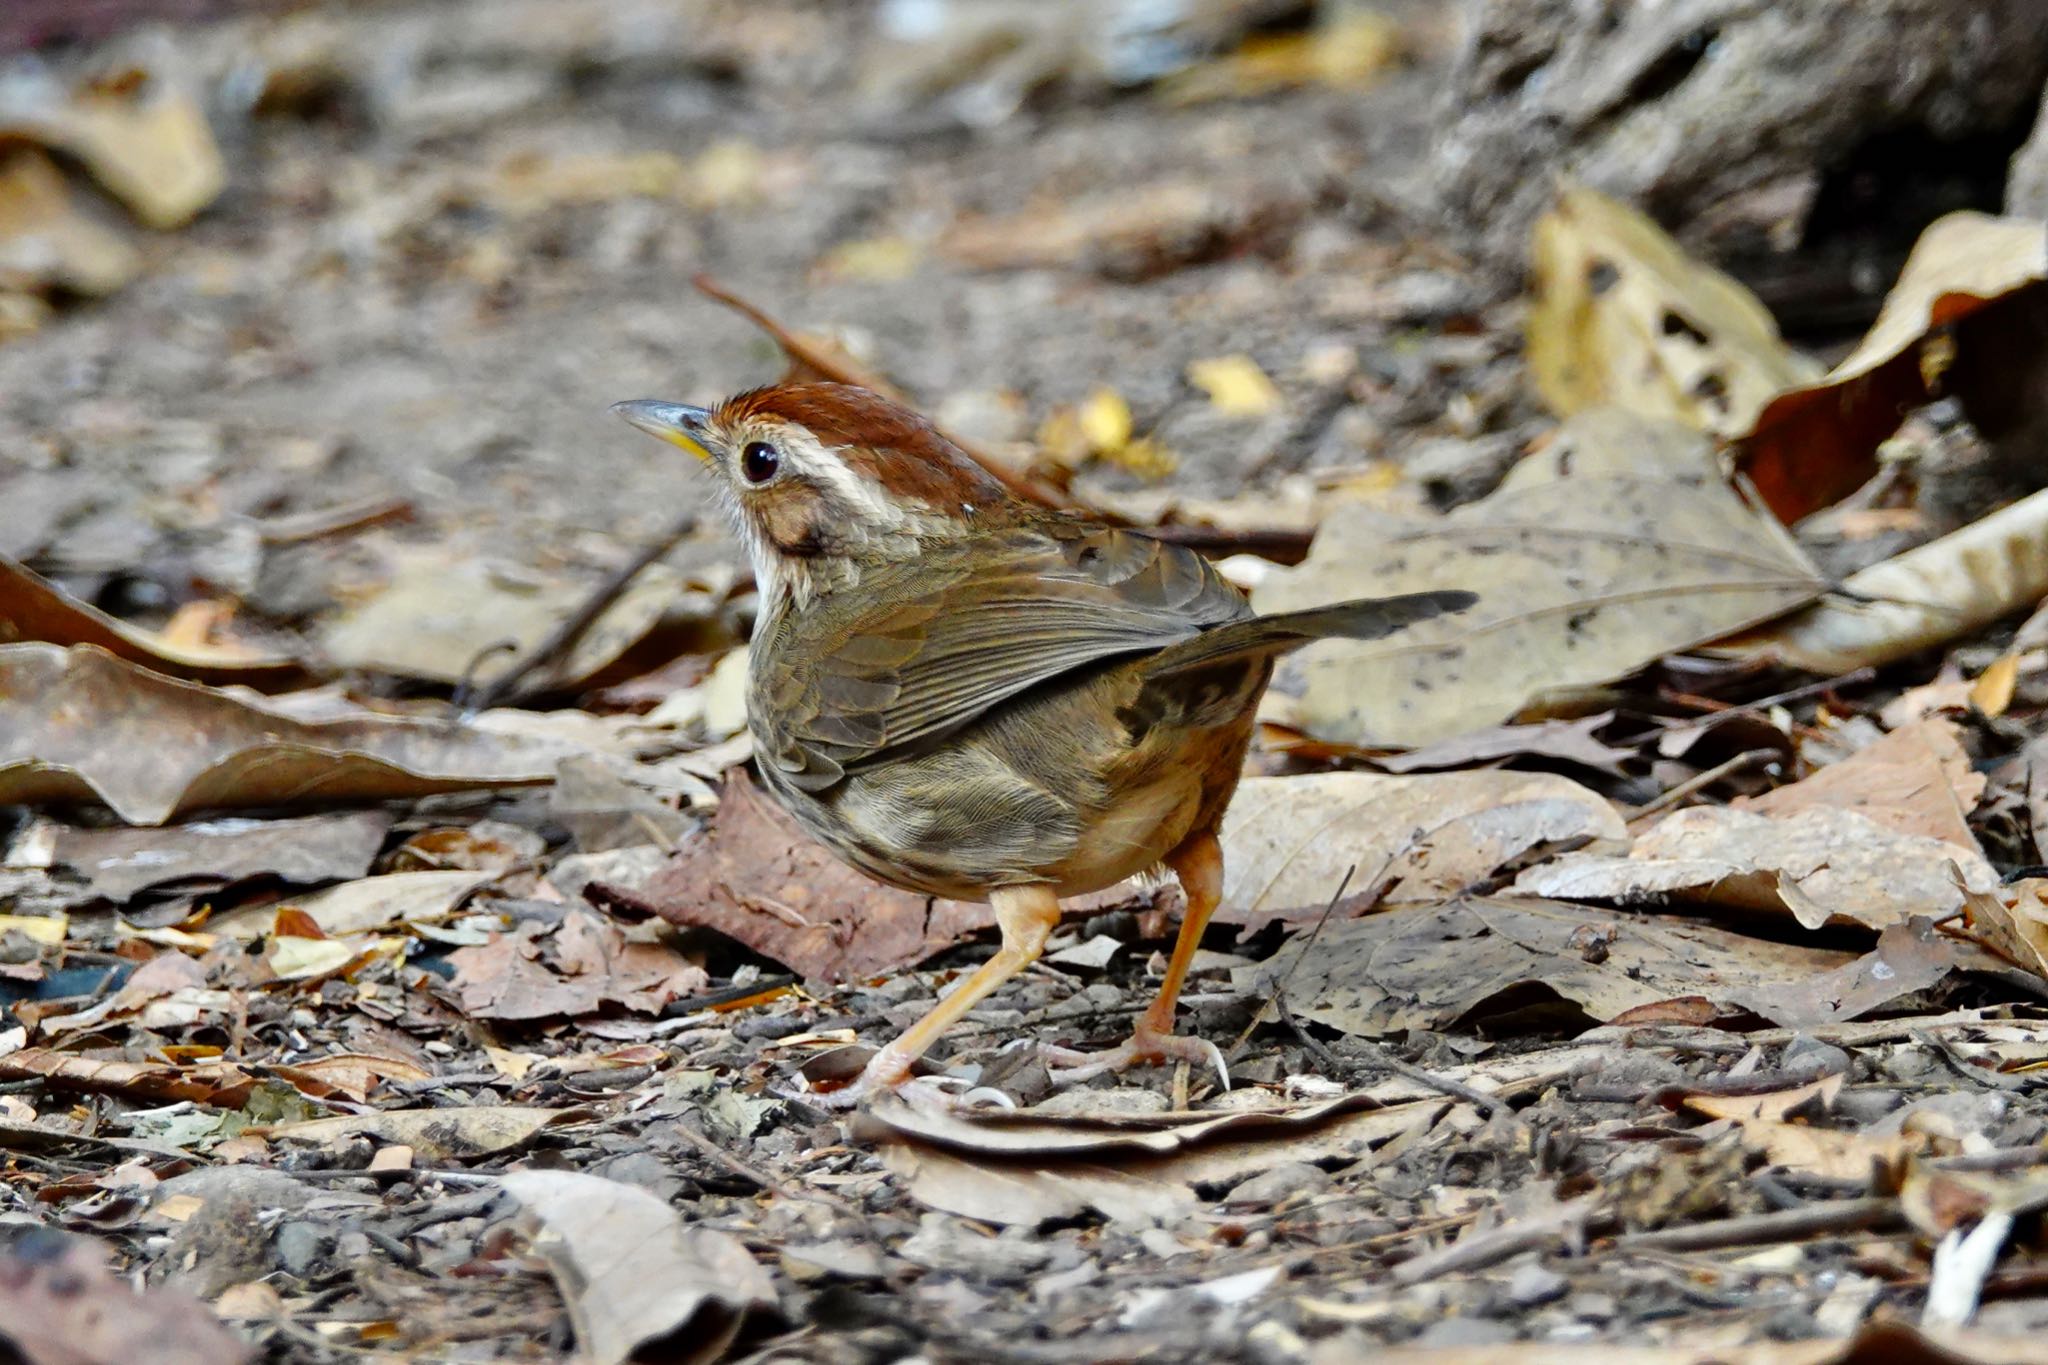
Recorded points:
(917,651)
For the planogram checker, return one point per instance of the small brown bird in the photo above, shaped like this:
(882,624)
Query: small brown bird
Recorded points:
(969,696)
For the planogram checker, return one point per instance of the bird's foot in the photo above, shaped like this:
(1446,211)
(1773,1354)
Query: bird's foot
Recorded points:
(1147,1045)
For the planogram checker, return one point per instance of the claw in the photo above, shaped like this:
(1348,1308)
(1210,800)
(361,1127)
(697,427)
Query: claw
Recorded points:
(1069,1064)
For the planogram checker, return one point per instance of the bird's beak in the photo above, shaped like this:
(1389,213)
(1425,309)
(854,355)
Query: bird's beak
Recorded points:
(677,423)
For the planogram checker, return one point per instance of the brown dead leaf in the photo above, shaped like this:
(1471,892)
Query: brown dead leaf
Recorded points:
(2012,921)
(394,899)
(79,725)
(221,1083)
(141,133)
(539,971)
(639,1283)
(757,878)
(1566,741)
(1820,864)
(1615,545)
(47,242)
(1927,596)
(1433,965)
(1623,316)
(351,1074)
(1002,1177)
(1816,443)
(120,863)
(61,1305)
(1916,780)
(32,608)
(1288,842)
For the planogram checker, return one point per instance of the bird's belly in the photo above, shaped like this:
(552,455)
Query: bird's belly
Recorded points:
(1138,829)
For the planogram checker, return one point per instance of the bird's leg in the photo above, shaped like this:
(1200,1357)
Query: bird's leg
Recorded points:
(1026,915)
(1198,862)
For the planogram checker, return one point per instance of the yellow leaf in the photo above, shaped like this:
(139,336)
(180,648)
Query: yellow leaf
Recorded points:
(47,930)
(1992,692)
(295,959)
(1105,420)
(1622,315)
(873,258)
(1236,386)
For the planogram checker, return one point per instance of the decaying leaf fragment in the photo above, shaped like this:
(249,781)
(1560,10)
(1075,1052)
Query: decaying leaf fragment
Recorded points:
(636,1278)
(1817,441)
(1622,315)
(1616,544)
(79,725)
(60,1304)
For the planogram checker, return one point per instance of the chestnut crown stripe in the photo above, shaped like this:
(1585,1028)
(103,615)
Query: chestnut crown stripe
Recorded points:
(878,439)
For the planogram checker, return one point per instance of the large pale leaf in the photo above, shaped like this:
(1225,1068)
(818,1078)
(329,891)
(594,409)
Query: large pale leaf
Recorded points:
(1617,544)
(1931,594)
(640,1284)
(1288,842)
(1622,315)
(79,725)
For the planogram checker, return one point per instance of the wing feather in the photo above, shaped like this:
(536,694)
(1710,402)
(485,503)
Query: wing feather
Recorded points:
(919,650)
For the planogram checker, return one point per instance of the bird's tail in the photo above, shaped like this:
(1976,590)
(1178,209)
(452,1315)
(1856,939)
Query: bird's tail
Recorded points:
(1368,618)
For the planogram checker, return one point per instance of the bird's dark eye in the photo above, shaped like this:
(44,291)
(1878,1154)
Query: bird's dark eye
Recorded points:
(759,461)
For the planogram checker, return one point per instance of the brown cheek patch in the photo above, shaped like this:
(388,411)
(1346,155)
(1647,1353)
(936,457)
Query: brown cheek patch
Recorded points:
(793,520)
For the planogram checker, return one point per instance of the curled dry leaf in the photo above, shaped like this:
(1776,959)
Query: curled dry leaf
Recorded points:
(1021,1179)
(1820,864)
(1615,545)
(396,898)
(79,725)
(1916,780)
(221,1083)
(140,133)
(1622,315)
(1815,443)
(1431,966)
(32,608)
(1931,594)
(1288,842)
(61,1305)
(639,1283)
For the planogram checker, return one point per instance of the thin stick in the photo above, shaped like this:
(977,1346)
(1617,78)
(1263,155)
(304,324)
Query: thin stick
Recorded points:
(1815,1220)
(563,637)
(1748,758)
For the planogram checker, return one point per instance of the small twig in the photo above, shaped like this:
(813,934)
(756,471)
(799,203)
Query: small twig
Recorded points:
(1477,1250)
(563,637)
(1814,1220)
(1748,758)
